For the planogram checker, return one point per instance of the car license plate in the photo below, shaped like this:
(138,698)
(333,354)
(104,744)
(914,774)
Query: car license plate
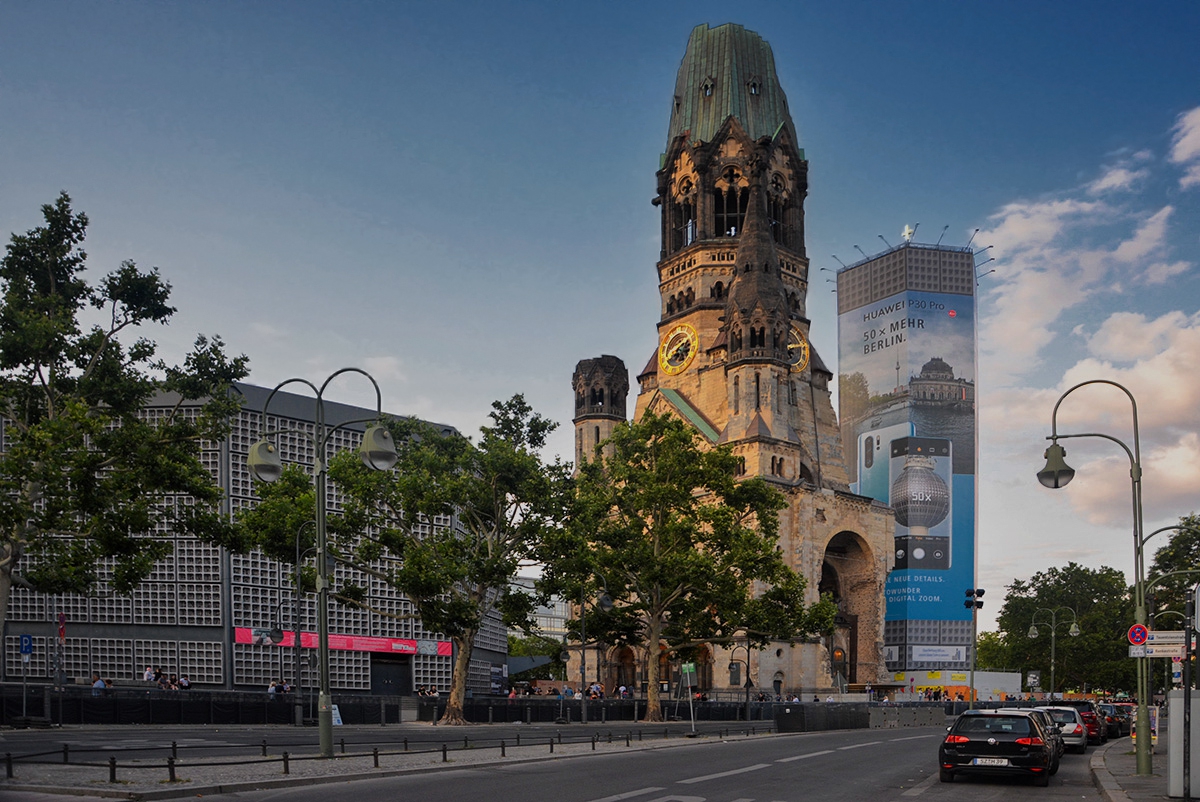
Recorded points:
(990,761)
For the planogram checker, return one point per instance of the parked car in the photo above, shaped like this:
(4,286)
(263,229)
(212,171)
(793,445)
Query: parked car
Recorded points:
(997,742)
(1116,719)
(1071,727)
(1097,729)
(1052,734)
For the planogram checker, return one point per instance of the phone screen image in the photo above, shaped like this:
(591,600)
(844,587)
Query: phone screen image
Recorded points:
(920,475)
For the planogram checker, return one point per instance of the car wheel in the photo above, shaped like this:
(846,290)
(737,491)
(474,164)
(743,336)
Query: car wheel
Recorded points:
(945,776)
(1042,780)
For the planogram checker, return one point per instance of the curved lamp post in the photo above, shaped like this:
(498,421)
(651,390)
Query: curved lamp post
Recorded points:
(378,452)
(748,684)
(1054,624)
(1058,474)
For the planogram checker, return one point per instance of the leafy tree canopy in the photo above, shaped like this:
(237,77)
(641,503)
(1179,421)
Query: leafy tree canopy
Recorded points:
(84,472)
(688,553)
(454,522)
(1097,599)
(1182,555)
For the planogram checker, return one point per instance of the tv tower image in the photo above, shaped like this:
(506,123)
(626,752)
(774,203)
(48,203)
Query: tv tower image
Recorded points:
(919,496)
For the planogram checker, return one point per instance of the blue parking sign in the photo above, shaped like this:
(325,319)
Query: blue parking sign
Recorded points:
(26,644)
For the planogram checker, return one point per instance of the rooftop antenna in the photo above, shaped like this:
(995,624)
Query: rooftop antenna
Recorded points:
(986,272)
(939,242)
(860,250)
(972,239)
(982,250)
(885,242)
(913,233)
(839,261)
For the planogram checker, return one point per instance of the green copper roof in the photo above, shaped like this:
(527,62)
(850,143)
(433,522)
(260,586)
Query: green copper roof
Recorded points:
(715,80)
(690,414)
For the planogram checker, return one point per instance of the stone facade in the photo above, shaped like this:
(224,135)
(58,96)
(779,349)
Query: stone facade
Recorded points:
(734,358)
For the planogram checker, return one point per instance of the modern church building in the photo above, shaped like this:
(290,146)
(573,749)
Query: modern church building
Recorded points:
(205,612)
(734,358)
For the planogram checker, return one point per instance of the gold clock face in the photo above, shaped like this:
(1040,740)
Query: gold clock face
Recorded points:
(678,349)
(798,350)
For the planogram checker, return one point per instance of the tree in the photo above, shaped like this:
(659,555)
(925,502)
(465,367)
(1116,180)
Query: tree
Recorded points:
(1182,554)
(538,646)
(84,472)
(854,395)
(1098,657)
(688,553)
(453,523)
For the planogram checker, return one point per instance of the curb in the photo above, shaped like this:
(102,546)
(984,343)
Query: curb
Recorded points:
(1104,781)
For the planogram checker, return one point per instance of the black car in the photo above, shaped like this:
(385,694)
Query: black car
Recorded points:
(995,742)
(1116,720)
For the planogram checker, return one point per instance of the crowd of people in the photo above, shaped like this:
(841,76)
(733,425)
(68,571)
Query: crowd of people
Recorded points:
(166,682)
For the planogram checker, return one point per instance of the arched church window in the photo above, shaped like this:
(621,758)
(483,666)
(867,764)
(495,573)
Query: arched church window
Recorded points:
(754,88)
(729,204)
(683,216)
(579,400)
(597,434)
(689,297)
(757,391)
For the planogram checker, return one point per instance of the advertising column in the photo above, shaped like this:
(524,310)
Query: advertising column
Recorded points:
(907,397)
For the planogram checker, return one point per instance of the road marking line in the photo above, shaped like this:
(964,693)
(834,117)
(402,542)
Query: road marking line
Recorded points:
(858,746)
(911,738)
(706,777)
(921,788)
(627,795)
(802,757)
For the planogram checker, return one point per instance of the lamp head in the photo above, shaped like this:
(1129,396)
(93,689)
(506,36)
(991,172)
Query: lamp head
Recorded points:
(1057,472)
(1033,633)
(263,461)
(1074,630)
(605,602)
(378,451)
(276,635)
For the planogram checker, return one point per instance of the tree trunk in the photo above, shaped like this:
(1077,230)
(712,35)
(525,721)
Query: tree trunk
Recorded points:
(458,680)
(653,699)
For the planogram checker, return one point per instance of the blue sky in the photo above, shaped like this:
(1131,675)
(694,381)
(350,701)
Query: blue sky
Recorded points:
(456,196)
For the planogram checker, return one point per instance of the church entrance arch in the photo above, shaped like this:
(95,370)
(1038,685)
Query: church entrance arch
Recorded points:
(848,576)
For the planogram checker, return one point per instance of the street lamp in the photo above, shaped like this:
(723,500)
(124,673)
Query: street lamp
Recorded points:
(605,603)
(378,452)
(1057,474)
(748,684)
(1053,623)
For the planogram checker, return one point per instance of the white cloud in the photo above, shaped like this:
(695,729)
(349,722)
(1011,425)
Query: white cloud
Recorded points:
(1116,179)
(1159,272)
(385,367)
(1128,336)
(1185,147)
(1147,240)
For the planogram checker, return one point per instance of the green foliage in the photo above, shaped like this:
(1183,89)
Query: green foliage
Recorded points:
(1098,657)
(84,474)
(688,553)
(1182,554)
(538,646)
(455,521)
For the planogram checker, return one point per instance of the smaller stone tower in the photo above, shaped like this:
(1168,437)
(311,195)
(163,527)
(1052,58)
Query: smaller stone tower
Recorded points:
(601,386)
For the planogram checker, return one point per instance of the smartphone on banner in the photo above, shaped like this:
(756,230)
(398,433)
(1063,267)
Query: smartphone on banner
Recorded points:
(874,449)
(920,471)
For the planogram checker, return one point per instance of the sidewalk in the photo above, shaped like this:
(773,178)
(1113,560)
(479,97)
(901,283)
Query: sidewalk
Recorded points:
(1114,771)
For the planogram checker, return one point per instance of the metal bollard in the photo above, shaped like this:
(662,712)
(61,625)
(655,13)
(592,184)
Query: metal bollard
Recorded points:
(66,753)
(518,739)
(174,749)
(264,747)
(112,769)
(405,744)
(375,752)
(594,737)
(287,768)
(490,711)
(552,746)
(466,742)
(8,772)
(502,749)
(171,769)
(639,735)
(629,739)
(343,740)
(560,736)
(610,736)
(444,758)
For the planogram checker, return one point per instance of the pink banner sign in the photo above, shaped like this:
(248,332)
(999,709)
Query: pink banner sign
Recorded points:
(345,643)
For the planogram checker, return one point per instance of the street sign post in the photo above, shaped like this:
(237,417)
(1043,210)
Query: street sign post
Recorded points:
(1138,634)
(26,651)
(1161,650)
(1164,636)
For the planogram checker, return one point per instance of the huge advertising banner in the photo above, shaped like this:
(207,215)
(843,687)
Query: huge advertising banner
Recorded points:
(907,397)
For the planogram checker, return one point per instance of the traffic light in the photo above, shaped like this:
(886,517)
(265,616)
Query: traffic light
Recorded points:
(974,600)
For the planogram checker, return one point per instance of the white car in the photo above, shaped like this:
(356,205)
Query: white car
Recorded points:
(1070,724)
